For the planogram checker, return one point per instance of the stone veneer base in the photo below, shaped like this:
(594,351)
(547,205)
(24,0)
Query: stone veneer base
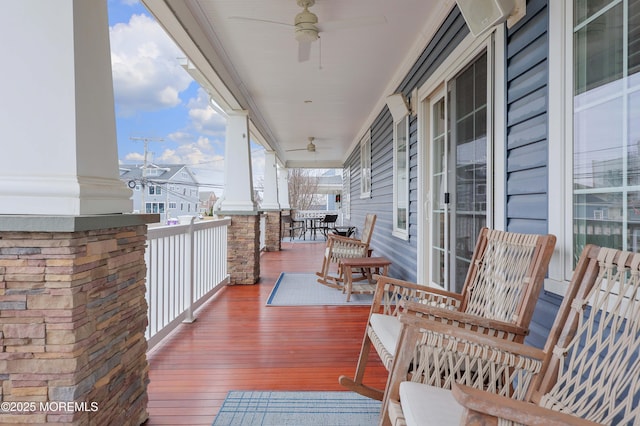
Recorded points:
(72,319)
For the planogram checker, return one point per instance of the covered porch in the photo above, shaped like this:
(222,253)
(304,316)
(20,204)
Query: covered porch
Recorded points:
(239,343)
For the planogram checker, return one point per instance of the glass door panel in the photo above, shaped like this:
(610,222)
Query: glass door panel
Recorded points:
(438,212)
(458,174)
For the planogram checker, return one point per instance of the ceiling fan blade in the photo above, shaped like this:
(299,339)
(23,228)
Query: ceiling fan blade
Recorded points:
(304,51)
(347,24)
(260,21)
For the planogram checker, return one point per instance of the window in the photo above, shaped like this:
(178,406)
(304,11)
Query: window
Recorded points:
(365,166)
(401,178)
(606,140)
(154,208)
(602,130)
(172,204)
(155,190)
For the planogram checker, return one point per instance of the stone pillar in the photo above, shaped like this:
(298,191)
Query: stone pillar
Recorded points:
(273,235)
(73,316)
(270,202)
(243,248)
(59,152)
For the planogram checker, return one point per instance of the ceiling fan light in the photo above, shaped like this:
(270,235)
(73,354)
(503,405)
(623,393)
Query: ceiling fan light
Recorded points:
(306,34)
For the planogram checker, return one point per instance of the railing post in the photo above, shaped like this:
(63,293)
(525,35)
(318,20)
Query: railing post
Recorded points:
(189,318)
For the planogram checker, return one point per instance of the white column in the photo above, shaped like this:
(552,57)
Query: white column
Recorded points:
(283,188)
(270,196)
(59,152)
(238,179)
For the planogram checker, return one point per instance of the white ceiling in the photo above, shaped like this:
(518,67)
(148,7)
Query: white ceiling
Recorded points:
(346,79)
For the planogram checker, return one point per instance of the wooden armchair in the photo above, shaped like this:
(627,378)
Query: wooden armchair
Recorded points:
(340,247)
(500,291)
(591,370)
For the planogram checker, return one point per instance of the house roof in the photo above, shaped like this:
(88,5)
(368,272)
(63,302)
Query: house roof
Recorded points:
(157,172)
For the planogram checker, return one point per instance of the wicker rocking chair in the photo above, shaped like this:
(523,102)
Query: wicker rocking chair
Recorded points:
(500,291)
(340,247)
(587,373)
(591,372)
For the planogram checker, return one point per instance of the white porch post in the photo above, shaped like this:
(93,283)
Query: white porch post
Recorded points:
(59,152)
(283,188)
(72,280)
(238,176)
(270,196)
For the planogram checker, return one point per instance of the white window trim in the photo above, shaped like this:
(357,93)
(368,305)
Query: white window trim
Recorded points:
(470,47)
(346,193)
(560,116)
(365,165)
(399,232)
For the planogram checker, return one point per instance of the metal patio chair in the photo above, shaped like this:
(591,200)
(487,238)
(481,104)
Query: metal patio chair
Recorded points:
(292,225)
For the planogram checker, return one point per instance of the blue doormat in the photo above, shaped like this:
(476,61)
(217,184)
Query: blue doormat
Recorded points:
(297,408)
(300,289)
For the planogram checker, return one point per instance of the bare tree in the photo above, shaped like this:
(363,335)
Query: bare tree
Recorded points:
(303,186)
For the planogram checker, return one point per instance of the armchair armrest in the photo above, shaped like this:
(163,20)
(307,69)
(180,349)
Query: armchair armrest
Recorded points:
(473,321)
(391,291)
(481,406)
(344,239)
(466,335)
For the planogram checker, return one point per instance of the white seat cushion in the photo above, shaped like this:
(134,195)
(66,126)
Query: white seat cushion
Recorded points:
(424,405)
(387,328)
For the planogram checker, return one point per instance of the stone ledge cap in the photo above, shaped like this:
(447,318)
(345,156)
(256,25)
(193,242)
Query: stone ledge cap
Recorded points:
(58,223)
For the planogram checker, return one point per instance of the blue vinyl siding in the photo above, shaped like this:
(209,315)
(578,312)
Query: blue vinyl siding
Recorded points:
(527,123)
(403,253)
(528,144)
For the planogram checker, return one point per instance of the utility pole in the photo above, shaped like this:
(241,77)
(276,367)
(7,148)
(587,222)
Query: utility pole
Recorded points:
(143,179)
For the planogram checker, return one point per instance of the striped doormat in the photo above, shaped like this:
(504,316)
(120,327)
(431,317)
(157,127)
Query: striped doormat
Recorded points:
(297,408)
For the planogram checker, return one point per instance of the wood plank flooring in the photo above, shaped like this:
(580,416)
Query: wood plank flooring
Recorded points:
(238,343)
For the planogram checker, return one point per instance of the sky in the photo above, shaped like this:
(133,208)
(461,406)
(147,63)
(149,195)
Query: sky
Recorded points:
(156,99)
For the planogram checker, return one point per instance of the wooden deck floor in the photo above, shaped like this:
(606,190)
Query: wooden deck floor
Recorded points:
(238,343)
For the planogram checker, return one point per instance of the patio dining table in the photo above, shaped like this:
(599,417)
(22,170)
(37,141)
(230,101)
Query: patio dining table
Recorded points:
(311,224)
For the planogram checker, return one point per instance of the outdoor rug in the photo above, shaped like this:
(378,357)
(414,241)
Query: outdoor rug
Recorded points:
(297,408)
(298,289)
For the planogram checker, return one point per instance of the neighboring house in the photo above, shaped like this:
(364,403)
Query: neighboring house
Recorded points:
(170,190)
(329,188)
(207,201)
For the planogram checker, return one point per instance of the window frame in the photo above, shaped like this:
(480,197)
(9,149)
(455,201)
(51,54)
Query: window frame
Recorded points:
(398,189)
(346,192)
(365,165)
(561,128)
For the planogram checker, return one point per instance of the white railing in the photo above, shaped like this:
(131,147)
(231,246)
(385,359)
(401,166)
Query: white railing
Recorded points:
(305,214)
(186,265)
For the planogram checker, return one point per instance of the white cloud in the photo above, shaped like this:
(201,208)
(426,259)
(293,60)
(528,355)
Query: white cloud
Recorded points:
(134,157)
(204,118)
(147,75)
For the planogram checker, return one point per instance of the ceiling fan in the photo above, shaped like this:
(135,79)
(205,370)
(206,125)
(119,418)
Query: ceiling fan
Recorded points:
(311,147)
(306,28)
